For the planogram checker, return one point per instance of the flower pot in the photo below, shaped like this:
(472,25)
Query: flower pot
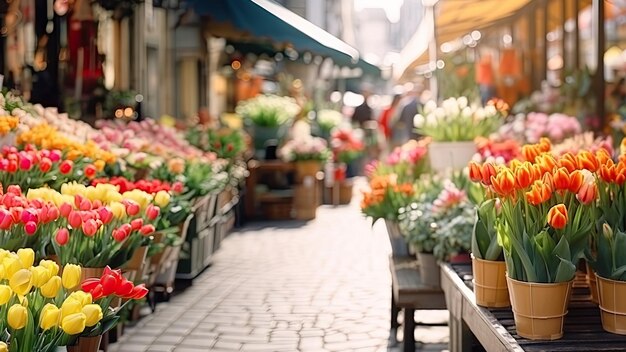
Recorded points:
(445,156)
(86,344)
(539,308)
(306,168)
(612,305)
(593,284)
(345,192)
(399,247)
(429,269)
(264,134)
(490,286)
(305,202)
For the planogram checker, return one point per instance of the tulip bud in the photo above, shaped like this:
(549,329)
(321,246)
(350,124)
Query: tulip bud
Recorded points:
(52,267)
(51,288)
(50,315)
(53,214)
(152,212)
(132,208)
(25,163)
(41,275)
(75,219)
(17,316)
(11,265)
(65,209)
(26,256)
(5,294)
(66,167)
(136,224)
(147,230)
(45,164)
(21,282)
(74,324)
(162,199)
(84,204)
(177,187)
(119,235)
(30,228)
(557,216)
(607,231)
(93,312)
(90,227)
(106,215)
(71,276)
(62,236)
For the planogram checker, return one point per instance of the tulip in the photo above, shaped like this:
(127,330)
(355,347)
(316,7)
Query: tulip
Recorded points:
(62,236)
(524,175)
(105,214)
(26,256)
(539,193)
(117,209)
(474,172)
(45,164)
(51,288)
(74,324)
(90,171)
(28,215)
(83,297)
(93,312)
(162,199)
(152,212)
(561,179)
(6,220)
(99,164)
(569,162)
(90,227)
(5,294)
(71,276)
(557,216)
(25,164)
(139,292)
(504,182)
(74,219)
(607,231)
(30,228)
(41,275)
(50,315)
(71,306)
(66,167)
(588,193)
(136,224)
(576,180)
(4,347)
(11,265)
(530,152)
(12,166)
(546,162)
(119,235)
(21,282)
(55,155)
(125,288)
(177,187)
(132,208)
(84,204)
(53,214)
(65,209)
(588,161)
(51,266)
(17,316)
(488,170)
(147,230)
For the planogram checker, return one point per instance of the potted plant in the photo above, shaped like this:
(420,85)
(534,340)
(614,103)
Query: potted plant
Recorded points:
(308,153)
(488,266)
(327,120)
(267,114)
(452,128)
(346,147)
(546,217)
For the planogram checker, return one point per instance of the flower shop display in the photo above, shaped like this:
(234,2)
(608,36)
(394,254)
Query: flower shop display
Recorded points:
(308,153)
(327,120)
(452,127)
(496,150)
(225,143)
(531,127)
(267,114)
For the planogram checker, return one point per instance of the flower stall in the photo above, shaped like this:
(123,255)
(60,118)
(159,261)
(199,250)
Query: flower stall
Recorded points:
(108,213)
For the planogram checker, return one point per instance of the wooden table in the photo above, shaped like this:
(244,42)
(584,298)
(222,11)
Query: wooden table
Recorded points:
(494,329)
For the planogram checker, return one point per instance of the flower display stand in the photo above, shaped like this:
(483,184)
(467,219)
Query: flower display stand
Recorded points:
(446,156)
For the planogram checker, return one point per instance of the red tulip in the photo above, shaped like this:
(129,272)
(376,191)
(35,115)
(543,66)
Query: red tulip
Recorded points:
(53,214)
(65,209)
(6,219)
(90,227)
(16,213)
(90,171)
(136,224)
(89,284)
(177,187)
(45,165)
(25,164)
(66,167)
(62,236)
(28,215)
(109,284)
(126,228)
(147,230)
(30,228)
(12,166)
(85,204)
(14,189)
(152,212)
(139,292)
(97,293)
(118,235)
(55,155)
(132,208)
(106,215)
(74,219)
(124,288)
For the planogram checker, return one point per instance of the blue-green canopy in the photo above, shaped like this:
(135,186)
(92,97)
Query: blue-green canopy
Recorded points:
(264,20)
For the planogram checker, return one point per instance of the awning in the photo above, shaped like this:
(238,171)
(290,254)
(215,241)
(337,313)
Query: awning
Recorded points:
(266,21)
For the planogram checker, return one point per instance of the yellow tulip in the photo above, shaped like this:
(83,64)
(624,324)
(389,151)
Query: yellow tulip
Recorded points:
(3,347)
(52,266)
(93,312)
(27,257)
(74,324)
(83,297)
(3,274)
(11,265)
(5,294)
(17,316)
(71,276)
(41,275)
(71,306)
(142,198)
(51,288)
(3,254)
(23,301)
(118,209)
(73,188)
(21,282)
(50,315)
(162,199)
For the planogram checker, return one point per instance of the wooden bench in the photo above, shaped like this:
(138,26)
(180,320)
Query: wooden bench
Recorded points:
(410,294)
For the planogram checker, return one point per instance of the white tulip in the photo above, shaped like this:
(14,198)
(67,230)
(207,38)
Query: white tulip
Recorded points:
(418,121)
(440,113)
(431,119)
(490,110)
(429,107)
(466,112)
(462,102)
(479,114)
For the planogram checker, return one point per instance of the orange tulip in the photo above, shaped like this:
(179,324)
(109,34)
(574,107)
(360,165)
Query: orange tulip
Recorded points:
(530,152)
(620,173)
(603,156)
(568,161)
(524,175)
(547,179)
(475,173)
(544,145)
(557,216)
(586,160)
(514,164)
(587,193)
(546,162)
(488,170)
(539,193)
(561,178)
(504,182)
(576,180)
(607,172)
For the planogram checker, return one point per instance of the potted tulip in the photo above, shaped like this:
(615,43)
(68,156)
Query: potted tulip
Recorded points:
(547,215)
(308,153)
(453,126)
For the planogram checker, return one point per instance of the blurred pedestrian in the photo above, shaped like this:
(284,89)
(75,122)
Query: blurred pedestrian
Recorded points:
(402,129)
(484,78)
(386,116)
(363,113)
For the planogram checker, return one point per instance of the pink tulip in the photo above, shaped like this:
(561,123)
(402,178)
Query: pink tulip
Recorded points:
(62,236)
(65,209)
(132,208)
(53,214)
(25,164)
(30,228)
(90,227)
(152,212)
(85,205)
(106,215)
(6,220)
(147,230)
(74,219)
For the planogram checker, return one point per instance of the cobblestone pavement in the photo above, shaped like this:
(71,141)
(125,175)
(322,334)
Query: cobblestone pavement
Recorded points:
(320,286)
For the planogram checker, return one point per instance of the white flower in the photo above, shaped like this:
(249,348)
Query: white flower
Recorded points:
(462,102)
(466,112)
(429,107)
(450,106)
(329,118)
(431,120)
(418,121)
(440,113)
(490,110)
(479,114)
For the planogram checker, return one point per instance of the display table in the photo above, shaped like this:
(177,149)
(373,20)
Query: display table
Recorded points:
(494,329)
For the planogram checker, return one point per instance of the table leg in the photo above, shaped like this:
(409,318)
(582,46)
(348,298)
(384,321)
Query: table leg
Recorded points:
(393,338)
(409,330)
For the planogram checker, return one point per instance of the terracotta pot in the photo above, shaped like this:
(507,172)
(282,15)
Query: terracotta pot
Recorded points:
(429,269)
(539,308)
(86,344)
(612,305)
(490,286)
(308,168)
(446,156)
(593,285)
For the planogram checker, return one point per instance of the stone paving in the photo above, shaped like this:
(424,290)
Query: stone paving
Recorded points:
(319,286)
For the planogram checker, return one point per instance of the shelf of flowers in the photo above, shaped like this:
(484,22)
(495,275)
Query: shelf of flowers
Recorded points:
(526,208)
(92,219)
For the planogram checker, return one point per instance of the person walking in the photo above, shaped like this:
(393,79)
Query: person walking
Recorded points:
(363,112)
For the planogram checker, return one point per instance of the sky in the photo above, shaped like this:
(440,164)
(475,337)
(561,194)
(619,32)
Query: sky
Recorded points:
(391,7)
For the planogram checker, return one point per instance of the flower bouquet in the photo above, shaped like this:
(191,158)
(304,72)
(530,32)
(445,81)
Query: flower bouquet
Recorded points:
(346,146)
(408,161)
(327,120)
(308,153)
